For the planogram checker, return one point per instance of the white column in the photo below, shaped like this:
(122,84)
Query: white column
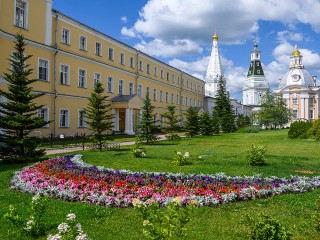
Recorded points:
(129,122)
(48,31)
(115,119)
(306,104)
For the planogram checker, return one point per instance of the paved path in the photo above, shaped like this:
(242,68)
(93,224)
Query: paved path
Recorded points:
(75,149)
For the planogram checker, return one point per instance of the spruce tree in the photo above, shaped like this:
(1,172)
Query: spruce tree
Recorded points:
(205,124)
(146,123)
(192,123)
(172,122)
(98,115)
(215,119)
(223,108)
(18,115)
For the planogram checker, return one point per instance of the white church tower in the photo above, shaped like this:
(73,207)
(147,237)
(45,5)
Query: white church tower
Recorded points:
(255,85)
(214,70)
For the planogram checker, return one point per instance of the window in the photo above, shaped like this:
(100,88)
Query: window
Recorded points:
(148,68)
(121,87)
(155,71)
(311,101)
(198,103)
(96,78)
(172,78)
(122,58)
(140,66)
(111,54)
(64,118)
(181,100)
(294,100)
(43,70)
(177,99)
(21,14)
(110,84)
(186,101)
(258,71)
(161,120)
(295,113)
(140,90)
(155,94)
(131,62)
(258,63)
(131,91)
(161,74)
(191,85)
(187,83)
(178,80)
(167,97)
(155,119)
(65,36)
(98,49)
(82,78)
(64,74)
(172,98)
(182,82)
(161,96)
(311,114)
(43,113)
(81,119)
(83,43)
(148,90)
(167,76)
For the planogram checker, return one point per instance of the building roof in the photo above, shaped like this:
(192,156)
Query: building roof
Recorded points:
(123,98)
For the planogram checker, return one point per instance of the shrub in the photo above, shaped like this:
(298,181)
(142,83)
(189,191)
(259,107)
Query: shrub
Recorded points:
(267,227)
(32,225)
(164,222)
(138,152)
(314,131)
(299,129)
(256,155)
(180,159)
(316,216)
(249,130)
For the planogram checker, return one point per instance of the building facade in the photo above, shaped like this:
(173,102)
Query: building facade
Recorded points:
(70,57)
(255,85)
(299,90)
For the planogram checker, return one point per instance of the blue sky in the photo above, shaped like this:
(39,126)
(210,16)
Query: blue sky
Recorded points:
(179,32)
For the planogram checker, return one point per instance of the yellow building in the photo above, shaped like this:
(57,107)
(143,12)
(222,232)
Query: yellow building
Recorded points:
(70,57)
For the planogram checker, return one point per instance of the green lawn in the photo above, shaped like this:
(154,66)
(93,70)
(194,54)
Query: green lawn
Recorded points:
(224,153)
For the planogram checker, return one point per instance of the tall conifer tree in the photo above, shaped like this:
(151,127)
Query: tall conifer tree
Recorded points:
(172,122)
(98,115)
(192,123)
(18,115)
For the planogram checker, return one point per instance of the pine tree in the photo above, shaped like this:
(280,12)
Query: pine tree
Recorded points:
(18,115)
(172,123)
(192,123)
(98,116)
(215,122)
(146,124)
(223,108)
(205,124)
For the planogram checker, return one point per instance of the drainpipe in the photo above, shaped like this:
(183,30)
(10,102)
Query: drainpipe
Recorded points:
(180,94)
(55,75)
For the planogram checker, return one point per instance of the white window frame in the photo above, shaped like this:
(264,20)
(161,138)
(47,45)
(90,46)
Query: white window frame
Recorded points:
(311,114)
(48,69)
(81,119)
(45,116)
(155,71)
(148,68)
(67,119)
(311,101)
(172,78)
(96,78)
(110,84)
(168,76)
(122,58)
(161,96)
(131,88)
(172,98)
(82,83)
(186,101)
(121,87)
(25,15)
(98,49)
(67,79)
(295,113)
(111,54)
(141,65)
(63,40)
(140,90)
(83,43)
(132,62)
(294,100)
(161,74)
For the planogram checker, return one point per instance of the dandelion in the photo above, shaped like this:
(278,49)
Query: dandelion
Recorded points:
(145,223)
(63,228)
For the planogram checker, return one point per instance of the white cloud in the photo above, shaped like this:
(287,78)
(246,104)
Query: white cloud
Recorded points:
(284,36)
(128,32)
(124,19)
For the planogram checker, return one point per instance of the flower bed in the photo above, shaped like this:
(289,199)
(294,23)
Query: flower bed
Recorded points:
(69,178)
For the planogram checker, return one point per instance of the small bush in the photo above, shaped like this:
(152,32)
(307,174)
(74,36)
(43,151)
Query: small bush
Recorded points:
(180,159)
(267,227)
(249,130)
(314,131)
(299,129)
(138,152)
(256,155)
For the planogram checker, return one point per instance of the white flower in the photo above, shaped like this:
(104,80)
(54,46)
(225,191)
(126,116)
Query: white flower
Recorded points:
(136,202)
(79,228)
(71,217)
(187,155)
(54,237)
(179,153)
(82,236)
(63,228)
(145,222)
(36,198)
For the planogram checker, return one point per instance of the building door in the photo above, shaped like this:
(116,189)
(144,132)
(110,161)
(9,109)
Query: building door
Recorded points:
(122,119)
